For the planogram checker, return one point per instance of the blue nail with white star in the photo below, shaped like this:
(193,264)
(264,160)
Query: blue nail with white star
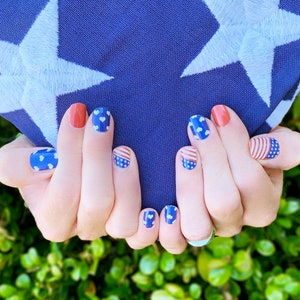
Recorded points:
(170,214)
(149,218)
(199,127)
(44,159)
(101,119)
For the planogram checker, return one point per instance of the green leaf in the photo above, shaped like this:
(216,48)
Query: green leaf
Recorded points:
(161,295)
(159,278)
(23,281)
(167,262)
(7,290)
(31,259)
(195,290)
(288,207)
(293,288)
(98,248)
(218,277)
(174,290)
(265,247)
(149,264)
(221,246)
(274,293)
(242,265)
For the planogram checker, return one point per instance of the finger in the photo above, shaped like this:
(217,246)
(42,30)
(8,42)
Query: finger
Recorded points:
(196,224)
(170,235)
(280,149)
(16,169)
(124,218)
(220,192)
(97,191)
(147,232)
(55,208)
(259,197)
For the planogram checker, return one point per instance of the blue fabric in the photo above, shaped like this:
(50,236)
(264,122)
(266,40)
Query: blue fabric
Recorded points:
(153,64)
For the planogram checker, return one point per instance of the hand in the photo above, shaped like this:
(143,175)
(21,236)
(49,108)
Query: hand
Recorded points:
(87,192)
(220,184)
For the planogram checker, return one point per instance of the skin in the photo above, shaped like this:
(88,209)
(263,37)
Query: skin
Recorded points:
(225,191)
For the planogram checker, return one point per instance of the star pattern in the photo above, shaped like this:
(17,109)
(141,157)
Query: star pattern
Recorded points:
(32,73)
(249,32)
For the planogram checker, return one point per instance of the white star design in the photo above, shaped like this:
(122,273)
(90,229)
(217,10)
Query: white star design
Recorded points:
(249,32)
(32,75)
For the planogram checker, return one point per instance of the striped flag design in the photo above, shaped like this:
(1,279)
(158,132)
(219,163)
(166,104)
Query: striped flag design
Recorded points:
(122,157)
(264,148)
(189,157)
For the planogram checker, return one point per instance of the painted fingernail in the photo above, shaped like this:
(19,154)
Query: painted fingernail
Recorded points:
(101,119)
(264,148)
(122,156)
(44,159)
(170,214)
(199,127)
(220,115)
(202,242)
(149,218)
(189,157)
(78,115)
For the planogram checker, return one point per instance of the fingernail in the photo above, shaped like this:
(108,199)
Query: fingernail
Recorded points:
(199,127)
(78,115)
(189,157)
(264,148)
(220,115)
(170,214)
(122,157)
(202,242)
(149,218)
(101,119)
(44,159)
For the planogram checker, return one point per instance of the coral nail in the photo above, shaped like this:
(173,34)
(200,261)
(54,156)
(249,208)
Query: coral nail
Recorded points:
(220,115)
(78,115)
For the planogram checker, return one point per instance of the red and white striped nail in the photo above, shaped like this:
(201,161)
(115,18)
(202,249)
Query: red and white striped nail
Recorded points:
(189,157)
(122,156)
(264,148)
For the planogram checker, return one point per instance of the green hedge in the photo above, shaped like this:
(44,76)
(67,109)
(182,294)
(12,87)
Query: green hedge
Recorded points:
(256,264)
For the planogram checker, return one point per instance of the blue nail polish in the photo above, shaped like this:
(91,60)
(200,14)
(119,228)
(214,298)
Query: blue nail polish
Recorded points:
(44,159)
(170,214)
(199,127)
(122,157)
(189,157)
(101,119)
(149,218)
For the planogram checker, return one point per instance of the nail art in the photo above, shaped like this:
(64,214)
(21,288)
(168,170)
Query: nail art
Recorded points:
(78,115)
(202,242)
(189,157)
(101,119)
(122,157)
(220,115)
(264,148)
(170,214)
(199,127)
(149,218)
(44,159)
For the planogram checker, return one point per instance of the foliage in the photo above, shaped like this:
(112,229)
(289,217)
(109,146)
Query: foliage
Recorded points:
(256,264)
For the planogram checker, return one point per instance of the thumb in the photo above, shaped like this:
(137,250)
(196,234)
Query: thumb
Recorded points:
(279,149)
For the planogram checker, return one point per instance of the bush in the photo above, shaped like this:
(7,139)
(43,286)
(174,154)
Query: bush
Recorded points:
(256,264)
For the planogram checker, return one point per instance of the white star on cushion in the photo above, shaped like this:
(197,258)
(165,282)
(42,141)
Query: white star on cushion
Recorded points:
(249,32)
(32,75)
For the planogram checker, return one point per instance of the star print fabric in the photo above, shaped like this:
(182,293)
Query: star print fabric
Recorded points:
(153,64)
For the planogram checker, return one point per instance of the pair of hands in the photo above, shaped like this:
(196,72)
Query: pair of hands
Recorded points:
(222,182)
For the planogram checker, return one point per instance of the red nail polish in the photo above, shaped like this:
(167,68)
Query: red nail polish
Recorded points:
(78,115)
(220,115)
